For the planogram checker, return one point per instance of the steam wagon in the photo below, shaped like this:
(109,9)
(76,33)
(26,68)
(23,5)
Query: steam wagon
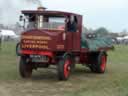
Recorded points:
(55,38)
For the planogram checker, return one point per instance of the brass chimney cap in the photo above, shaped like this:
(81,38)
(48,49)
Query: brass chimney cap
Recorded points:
(41,8)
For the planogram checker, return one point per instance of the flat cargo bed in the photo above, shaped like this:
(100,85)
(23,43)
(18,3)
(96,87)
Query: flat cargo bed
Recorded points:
(98,43)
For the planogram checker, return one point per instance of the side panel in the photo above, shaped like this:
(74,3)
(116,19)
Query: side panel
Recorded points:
(69,41)
(73,41)
(76,41)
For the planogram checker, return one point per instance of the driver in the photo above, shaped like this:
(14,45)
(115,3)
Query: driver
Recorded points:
(32,22)
(72,23)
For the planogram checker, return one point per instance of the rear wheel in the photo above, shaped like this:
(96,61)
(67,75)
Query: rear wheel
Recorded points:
(64,68)
(25,68)
(100,61)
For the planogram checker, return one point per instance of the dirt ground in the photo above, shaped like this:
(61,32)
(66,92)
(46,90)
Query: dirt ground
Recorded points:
(44,82)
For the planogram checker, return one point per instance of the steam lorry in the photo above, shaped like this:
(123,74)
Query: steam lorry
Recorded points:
(56,38)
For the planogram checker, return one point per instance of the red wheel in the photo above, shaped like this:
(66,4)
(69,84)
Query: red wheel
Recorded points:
(67,68)
(64,68)
(99,62)
(103,63)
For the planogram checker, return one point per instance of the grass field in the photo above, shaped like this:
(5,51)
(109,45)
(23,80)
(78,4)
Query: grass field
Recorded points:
(81,83)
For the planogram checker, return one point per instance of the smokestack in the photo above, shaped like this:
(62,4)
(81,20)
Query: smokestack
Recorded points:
(41,8)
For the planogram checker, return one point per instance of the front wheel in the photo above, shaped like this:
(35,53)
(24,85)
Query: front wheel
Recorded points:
(25,67)
(64,68)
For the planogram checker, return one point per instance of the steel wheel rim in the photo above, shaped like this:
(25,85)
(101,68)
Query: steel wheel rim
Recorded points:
(67,68)
(103,63)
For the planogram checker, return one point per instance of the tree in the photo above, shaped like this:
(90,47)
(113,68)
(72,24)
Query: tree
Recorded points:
(101,31)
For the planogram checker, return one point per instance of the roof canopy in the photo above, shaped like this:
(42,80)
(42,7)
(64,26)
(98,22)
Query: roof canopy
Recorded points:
(54,13)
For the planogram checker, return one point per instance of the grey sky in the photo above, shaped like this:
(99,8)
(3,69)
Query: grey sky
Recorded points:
(111,14)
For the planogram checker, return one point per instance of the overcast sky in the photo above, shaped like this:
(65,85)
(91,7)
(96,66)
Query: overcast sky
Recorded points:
(112,14)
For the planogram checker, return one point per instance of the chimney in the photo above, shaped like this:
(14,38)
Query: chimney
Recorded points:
(41,8)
